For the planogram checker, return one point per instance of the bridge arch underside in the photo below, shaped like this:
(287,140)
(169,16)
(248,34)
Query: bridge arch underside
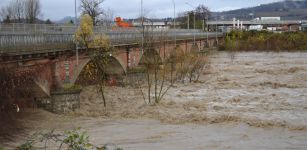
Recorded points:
(178,53)
(150,56)
(114,72)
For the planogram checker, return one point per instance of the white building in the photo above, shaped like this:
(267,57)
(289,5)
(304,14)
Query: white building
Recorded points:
(256,27)
(158,24)
(270,18)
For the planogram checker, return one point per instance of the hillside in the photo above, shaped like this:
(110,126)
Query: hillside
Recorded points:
(287,10)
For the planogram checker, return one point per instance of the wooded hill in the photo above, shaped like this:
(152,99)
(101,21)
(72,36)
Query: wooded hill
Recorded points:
(287,10)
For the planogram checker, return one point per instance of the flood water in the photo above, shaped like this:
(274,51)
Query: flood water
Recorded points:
(249,100)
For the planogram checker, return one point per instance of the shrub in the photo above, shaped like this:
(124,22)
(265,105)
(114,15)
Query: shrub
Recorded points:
(264,40)
(77,140)
(29,145)
(70,140)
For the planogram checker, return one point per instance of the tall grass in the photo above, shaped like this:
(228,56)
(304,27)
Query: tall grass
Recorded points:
(265,41)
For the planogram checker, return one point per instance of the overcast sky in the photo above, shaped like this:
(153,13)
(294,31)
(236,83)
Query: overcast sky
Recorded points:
(57,9)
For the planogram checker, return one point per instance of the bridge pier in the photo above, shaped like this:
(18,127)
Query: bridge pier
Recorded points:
(206,45)
(61,102)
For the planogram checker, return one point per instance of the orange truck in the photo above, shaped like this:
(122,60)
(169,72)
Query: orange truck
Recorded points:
(120,23)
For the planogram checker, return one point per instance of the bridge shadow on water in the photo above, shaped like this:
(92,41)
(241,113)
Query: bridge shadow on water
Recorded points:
(10,126)
(15,126)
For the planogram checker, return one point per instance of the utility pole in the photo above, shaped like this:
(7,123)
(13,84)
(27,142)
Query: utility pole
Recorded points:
(216,28)
(203,24)
(175,22)
(188,21)
(207,17)
(194,28)
(143,29)
(194,13)
(175,42)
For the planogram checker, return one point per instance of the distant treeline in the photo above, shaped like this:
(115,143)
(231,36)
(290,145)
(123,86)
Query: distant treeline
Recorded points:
(264,40)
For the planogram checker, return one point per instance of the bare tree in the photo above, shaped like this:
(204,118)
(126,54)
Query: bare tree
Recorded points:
(108,17)
(5,13)
(202,12)
(18,9)
(32,10)
(93,9)
(14,11)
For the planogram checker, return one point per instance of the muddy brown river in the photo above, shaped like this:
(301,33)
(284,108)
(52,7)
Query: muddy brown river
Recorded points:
(249,100)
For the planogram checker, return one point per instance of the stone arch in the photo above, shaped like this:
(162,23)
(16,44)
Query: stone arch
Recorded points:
(114,67)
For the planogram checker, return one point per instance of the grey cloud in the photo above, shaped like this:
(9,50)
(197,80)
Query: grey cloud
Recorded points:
(57,9)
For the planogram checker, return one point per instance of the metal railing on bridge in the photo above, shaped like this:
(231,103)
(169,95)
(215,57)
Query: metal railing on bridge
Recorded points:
(20,38)
(21,28)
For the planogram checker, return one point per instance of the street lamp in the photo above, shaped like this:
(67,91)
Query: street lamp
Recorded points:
(207,17)
(77,51)
(194,20)
(216,29)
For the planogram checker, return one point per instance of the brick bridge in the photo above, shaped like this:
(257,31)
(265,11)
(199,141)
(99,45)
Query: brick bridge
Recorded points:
(25,47)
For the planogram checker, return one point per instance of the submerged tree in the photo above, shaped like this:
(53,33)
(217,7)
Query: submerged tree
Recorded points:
(158,71)
(162,71)
(99,49)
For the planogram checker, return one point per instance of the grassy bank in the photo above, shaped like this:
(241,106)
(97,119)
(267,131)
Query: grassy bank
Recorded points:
(264,41)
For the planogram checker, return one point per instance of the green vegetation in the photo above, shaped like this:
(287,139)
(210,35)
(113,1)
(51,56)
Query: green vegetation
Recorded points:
(70,140)
(265,41)
(77,140)
(26,146)
(72,87)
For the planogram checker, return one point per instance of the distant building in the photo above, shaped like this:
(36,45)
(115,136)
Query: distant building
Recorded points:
(270,18)
(255,27)
(273,24)
(155,24)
